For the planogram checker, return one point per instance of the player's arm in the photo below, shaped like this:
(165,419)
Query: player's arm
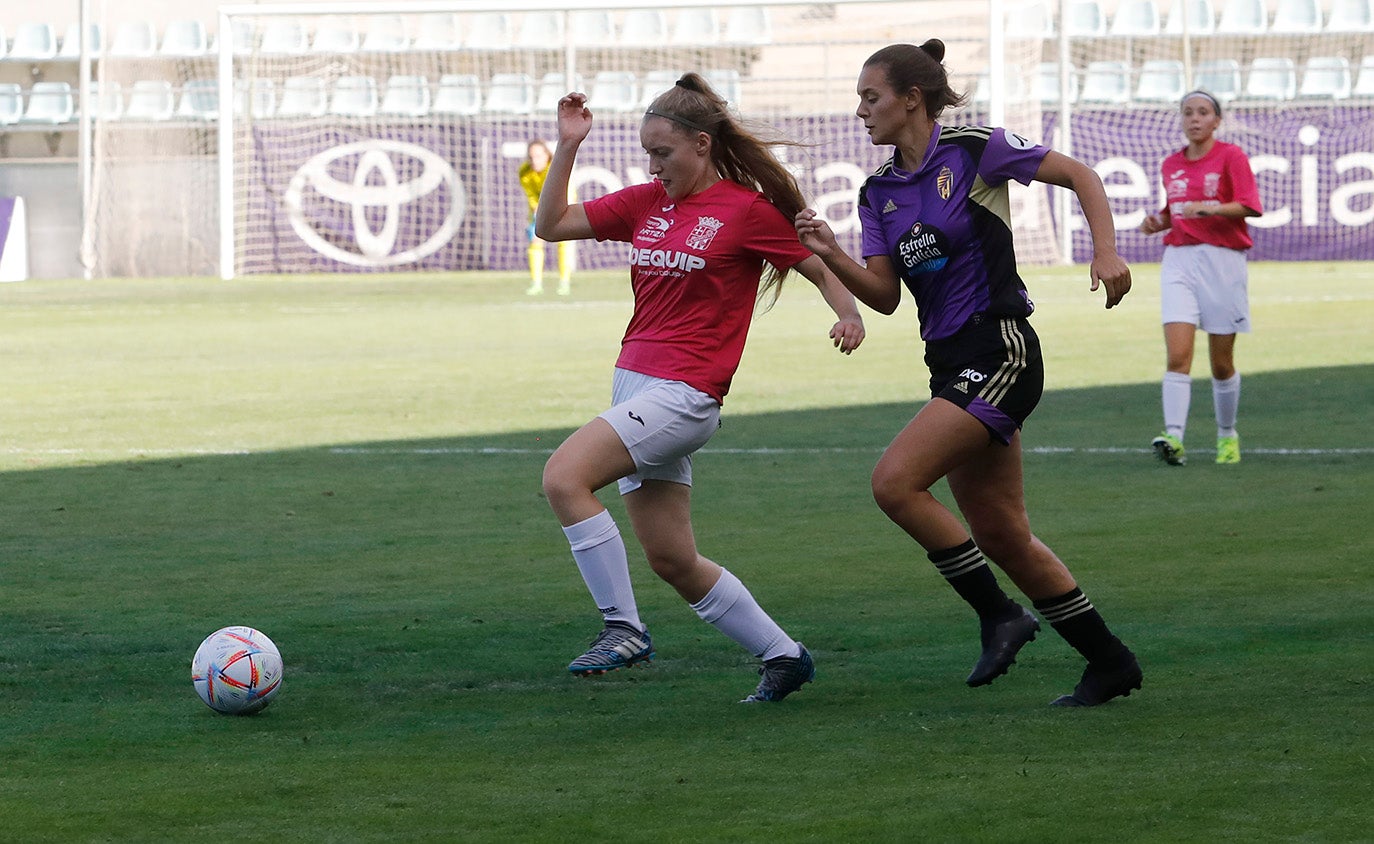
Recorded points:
(875,284)
(1229,210)
(555,218)
(1157,222)
(848,332)
(1107,268)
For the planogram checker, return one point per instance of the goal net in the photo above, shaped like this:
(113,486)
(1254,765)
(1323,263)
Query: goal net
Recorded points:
(343,138)
(348,138)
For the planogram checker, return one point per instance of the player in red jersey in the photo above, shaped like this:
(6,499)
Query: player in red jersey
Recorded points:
(719,208)
(1211,191)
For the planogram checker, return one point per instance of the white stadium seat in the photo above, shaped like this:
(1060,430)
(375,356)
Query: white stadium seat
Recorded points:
(1161,81)
(510,93)
(150,99)
(354,96)
(1326,77)
(199,100)
(11,103)
(1220,78)
(134,39)
(696,27)
(334,36)
(489,31)
(385,34)
(284,38)
(1243,17)
(71,42)
(1201,19)
(50,103)
(643,28)
(1272,78)
(303,96)
(614,90)
(1136,18)
(540,31)
(1085,19)
(1106,82)
(33,42)
(1351,16)
(1296,16)
(407,95)
(184,38)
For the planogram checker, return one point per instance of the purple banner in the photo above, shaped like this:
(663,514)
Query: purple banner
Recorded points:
(444,196)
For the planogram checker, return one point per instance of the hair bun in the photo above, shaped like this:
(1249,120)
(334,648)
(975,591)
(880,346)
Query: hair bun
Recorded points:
(935,48)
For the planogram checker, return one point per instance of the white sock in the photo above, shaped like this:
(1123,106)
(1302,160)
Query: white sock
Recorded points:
(1226,400)
(1178,392)
(734,612)
(600,554)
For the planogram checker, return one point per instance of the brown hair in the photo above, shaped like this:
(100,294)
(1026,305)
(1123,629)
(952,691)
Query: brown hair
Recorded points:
(737,152)
(909,66)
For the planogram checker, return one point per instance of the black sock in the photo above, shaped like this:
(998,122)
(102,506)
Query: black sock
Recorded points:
(971,576)
(1072,616)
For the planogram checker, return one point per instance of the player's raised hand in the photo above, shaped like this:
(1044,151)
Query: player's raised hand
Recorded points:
(574,118)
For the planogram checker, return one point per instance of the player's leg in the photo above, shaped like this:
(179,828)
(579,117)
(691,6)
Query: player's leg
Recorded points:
(567,256)
(591,458)
(1225,306)
(1225,395)
(1179,311)
(990,492)
(660,512)
(941,438)
(534,256)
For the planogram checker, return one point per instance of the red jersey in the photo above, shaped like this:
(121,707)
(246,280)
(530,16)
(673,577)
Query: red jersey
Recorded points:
(695,267)
(1222,175)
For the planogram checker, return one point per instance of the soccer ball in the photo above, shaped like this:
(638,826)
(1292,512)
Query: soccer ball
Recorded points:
(236,670)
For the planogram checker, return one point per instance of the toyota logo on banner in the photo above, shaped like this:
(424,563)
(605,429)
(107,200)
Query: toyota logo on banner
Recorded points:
(375,193)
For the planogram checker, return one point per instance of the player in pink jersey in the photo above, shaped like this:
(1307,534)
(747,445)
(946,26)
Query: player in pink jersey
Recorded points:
(720,208)
(1211,191)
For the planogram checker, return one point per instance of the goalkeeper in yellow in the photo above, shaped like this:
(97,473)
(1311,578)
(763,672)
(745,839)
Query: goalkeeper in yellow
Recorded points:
(532,173)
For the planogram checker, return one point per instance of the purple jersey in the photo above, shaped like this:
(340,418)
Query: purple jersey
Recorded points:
(947,227)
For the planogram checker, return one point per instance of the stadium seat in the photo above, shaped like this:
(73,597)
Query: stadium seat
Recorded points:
(1351,16)
(1106,82)
(284,38)
(489,31)
(302,96)
(258,100)
(109,99)
(1085,18)
(1243,17)
(614,90)
(199,100)
(439,32)
(245,38)
(1201,19)
(1046,88)
(50,104)
(1161,81)
(1219,77)
(334,36)
(71,42)
(1364,84)
(354,96)
(1293,16)
(1272,78)
(655,82)
(184,38)
(459,94)
(747,25)
(510,93)
(385,34)
(1136,17)
(726,82)
(551,89)
(1032,18)
(4,43)
(1326,77)
(643,28)
(11,103)
(540,31)
(406,96)
(150,99)
(696,27)
(134,39)
(1015,85)
(33,42)
(588,27)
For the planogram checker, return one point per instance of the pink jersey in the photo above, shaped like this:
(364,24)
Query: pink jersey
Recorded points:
(1222,175)
(695,267)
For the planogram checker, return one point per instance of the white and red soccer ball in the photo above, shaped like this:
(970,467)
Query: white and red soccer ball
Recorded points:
(237,670)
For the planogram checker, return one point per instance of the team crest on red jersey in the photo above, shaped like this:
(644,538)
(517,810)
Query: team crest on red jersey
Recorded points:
(944,182)
(705,232)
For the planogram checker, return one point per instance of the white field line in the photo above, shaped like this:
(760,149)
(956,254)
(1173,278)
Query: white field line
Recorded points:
(493,450)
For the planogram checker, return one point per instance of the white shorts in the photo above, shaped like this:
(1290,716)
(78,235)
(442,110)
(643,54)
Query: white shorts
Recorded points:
(661,422)
(1206,286)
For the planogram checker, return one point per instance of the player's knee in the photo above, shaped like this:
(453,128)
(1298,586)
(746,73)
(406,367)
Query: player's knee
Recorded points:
(891,491)
(670,564)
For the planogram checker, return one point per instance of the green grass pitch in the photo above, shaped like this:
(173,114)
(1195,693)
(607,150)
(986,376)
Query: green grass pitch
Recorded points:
(352,465)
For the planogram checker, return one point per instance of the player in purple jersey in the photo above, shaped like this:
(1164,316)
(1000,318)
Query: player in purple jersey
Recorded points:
(936,218)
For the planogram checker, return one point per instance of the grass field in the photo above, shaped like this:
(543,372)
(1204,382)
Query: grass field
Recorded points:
(352,465)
